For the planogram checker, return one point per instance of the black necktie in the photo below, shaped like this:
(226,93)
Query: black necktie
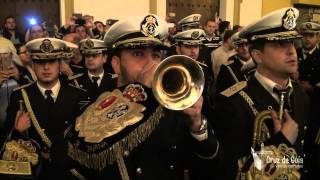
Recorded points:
(49,98)
(286,98)
(95,81)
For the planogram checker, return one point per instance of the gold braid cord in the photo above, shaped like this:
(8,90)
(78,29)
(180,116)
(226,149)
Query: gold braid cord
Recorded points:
(232,74)
(34,120)
(99,161)
(247,98)
(317,140)
(122,167)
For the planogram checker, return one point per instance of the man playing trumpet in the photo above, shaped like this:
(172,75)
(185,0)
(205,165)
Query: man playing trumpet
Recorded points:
(147,141)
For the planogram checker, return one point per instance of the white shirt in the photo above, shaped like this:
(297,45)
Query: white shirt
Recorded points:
(220,56)
(100,77)
(308,52)
(55,90)
(268,84)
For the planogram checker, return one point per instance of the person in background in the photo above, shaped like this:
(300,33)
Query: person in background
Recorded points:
(223,27)
(230,72)
(98,31)
(95,80)
(212,40)
(309,56)
(188,43)
(9,74)
(34,32)
(172,31)
(11,31)
(25,69)
(76,63)
(82,31)
(237,28)
(223,53)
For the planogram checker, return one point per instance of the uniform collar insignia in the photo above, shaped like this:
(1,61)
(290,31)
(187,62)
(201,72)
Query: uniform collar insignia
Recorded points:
(289,20)
(149,26)
(46,46)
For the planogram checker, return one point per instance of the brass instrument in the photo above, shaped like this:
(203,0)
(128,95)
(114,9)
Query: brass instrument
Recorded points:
(268,170)
(261,132)
(21,106)
(178,82)
(19,157)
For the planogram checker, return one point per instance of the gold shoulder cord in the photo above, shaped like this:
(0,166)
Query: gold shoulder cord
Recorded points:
(317,140)
(247,98)
(34,120)
(232,73)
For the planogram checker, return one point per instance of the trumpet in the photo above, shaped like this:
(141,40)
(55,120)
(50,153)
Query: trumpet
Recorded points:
(261,132)
(178,82)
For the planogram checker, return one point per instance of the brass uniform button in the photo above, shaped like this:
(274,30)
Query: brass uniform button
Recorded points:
(126,153)
(302,142)
(171,167)
(305,127)
(139,171)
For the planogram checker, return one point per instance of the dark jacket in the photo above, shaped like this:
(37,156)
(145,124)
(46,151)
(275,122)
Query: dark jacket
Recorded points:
(54,121)
(225,78)
(309,67)
(108,83)
(166,153)
(234,123)
(19,38)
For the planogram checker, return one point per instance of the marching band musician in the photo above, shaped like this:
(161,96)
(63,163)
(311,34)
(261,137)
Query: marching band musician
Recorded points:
(50,106)
(247,111)
(112,141)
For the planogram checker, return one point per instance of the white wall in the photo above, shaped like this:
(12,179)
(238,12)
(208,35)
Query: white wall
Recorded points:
(227,10)
(161,8)
(115,9)
(250,10)
(62,12)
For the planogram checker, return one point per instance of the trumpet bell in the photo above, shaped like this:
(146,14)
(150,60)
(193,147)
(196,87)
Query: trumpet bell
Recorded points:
(178,82)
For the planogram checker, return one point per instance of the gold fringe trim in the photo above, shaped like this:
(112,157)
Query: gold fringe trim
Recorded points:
(99,161)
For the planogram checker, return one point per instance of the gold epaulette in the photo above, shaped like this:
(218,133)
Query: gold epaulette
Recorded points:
(23,86)
(201,63)
(73,65)
(229,62)
(318,84)
(70,84)
(113,76)
(75,76)
(234,88)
